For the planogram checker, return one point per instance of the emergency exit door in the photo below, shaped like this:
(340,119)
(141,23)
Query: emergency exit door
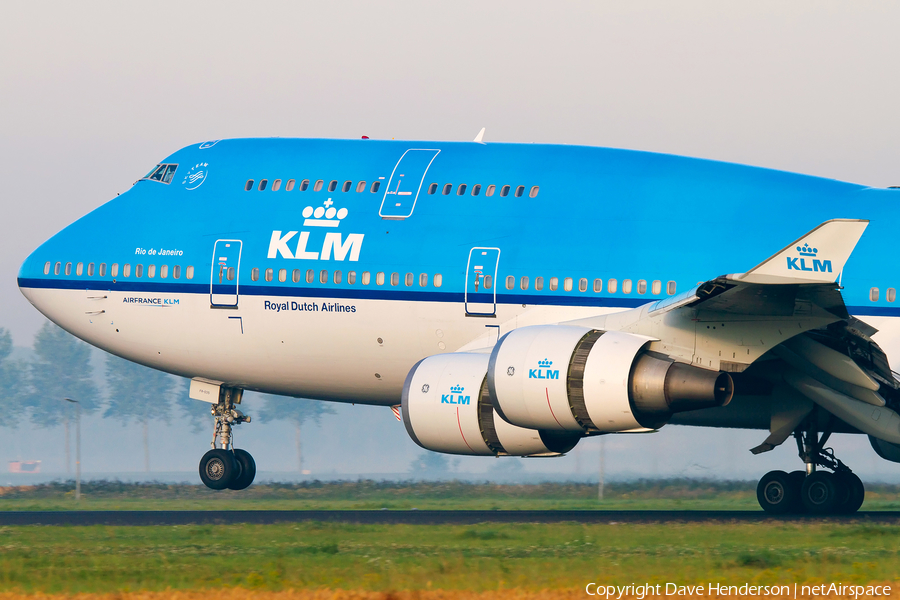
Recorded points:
(406,183)
(481,282)
(226,265)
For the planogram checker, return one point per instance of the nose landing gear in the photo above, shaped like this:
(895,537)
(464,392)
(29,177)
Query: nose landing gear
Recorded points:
(227,467)
(838,491)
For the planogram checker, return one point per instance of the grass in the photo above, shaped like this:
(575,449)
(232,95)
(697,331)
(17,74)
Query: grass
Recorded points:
(474,558)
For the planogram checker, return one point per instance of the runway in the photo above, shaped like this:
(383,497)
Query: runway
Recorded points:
(410,517)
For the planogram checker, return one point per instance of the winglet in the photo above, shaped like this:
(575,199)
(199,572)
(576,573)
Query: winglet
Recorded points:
(817,257)
(480,135)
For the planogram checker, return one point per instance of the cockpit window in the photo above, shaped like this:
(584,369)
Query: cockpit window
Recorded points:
(162,173)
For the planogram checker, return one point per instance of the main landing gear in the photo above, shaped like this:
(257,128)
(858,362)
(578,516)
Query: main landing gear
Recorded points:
(226,466)
(835,492)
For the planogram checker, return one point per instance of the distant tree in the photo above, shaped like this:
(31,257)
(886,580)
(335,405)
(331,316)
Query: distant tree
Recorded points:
(431,463)
(296,410)
(12,382)
(196,411)
(139,394)
(61,369)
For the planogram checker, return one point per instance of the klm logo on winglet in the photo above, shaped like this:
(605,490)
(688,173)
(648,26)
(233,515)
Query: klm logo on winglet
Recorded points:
(799,263)
(455,396)
(282,244)
(543,371)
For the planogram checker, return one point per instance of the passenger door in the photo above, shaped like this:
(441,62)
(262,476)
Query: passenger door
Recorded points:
(226,264)
(481,282)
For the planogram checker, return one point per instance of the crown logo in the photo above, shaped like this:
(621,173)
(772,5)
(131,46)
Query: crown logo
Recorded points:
(332,215)
(457,389)
(806,250)
(545,363)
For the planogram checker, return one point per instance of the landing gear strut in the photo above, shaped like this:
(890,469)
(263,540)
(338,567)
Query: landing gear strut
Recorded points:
(226,466)
(838,491)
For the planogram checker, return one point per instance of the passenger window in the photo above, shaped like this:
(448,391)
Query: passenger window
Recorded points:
(338,277)
(68,268)
(126,270)
(379,278)
(262,185)
(318,186)
(163,271)
(504,191)
(873,294)
(189,272)
(612,286)
(332,185)
(534,191)
(567,284)
(230,273)
(461,190)
(304,185)
(102,269)
(447,188)
(670,288)
(276,185)
(432,188)
(138,270)
(351,277)
(56,268)
(366,278)
(626,286)
(269,274)
(346,187)
(657,287)
(254,274)
(488,282)
(176,271)
(113,270)
(289,186)
(538,283)
(598,285)
(554,283)
(323,276)
(519,191)
(490,190)
(891,294)
(582,285)
(249,185)
(360,187)
(151,271)
(79,269)
(642,287)
(282,275)
(395,278)
(409,279)
(310,276)
(510,282)
(423,280)
(476,189)
(47,268)
(523,283)
(296,275)
(375,186)
(438,279)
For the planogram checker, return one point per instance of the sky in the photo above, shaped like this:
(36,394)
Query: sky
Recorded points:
(94,94)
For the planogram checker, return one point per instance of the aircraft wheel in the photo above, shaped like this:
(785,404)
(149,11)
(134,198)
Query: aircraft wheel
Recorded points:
(796,479)
(777,493)
(247,470)
(217,469)
(820,493)
(855,490)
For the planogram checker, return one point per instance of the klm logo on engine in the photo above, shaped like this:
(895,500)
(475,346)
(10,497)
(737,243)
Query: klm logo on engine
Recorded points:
(455,396)
(806,253)
(543,371)
(283,244)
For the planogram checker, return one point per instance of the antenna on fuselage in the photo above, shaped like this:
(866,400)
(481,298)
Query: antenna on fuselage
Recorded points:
(480,136)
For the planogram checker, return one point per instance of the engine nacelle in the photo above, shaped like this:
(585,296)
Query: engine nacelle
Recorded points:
(446,408)
(563,378)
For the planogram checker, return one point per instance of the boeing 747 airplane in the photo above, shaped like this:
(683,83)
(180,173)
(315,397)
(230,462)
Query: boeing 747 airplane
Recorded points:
(503,299)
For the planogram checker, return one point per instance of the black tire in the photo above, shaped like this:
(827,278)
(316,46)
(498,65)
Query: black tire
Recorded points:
(247,470)
(217,469)
(820,493)
(796,479)
(776,494)
(856,492)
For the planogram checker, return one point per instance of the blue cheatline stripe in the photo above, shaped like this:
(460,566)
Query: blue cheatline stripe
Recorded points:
(373,294)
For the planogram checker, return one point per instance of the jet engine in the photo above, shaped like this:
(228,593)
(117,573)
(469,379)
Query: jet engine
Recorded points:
(446,408)
(576,379)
